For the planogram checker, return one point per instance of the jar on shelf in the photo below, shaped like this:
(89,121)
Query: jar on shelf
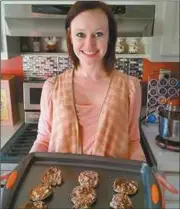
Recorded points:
(120,45)
(133,46)
(36,44)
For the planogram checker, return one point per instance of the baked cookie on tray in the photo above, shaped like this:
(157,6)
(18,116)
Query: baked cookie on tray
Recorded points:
(129,187)
(83,197)
(35,205)
(52,176)
(88,178)
(121,201)
(40,192)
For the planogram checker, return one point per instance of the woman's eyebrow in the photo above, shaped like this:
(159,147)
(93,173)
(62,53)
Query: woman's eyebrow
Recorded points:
(97,29)
(79,29)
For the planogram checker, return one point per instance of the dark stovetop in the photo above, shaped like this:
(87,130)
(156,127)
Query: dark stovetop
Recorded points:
(19,144)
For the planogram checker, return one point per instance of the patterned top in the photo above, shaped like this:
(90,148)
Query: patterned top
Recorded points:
(63,123)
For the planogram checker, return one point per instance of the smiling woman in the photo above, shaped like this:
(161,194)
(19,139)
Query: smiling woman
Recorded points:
(93,108)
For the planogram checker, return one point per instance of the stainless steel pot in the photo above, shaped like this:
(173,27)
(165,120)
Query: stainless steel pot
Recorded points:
(169,128)
(169,120)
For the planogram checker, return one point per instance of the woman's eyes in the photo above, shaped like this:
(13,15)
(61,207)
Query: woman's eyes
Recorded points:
(82,35)
(98,34)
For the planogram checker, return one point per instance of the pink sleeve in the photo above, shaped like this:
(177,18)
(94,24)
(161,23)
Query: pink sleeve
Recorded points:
(135,151)
(44,126)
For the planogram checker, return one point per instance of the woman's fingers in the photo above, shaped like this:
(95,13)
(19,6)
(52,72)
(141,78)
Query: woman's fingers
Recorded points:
(166,184)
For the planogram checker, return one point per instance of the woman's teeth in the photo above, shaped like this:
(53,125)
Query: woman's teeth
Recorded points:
(89,53)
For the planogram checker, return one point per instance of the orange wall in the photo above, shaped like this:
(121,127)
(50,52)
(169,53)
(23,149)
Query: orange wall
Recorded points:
(150,67)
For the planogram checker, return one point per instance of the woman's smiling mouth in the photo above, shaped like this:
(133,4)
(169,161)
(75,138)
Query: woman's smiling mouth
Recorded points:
(90,54)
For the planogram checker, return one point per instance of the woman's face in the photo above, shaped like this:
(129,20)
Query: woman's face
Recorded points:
(89,35)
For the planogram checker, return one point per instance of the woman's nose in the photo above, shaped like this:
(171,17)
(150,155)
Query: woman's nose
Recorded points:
(90,42)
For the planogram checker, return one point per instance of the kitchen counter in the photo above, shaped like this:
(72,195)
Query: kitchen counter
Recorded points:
(167,161)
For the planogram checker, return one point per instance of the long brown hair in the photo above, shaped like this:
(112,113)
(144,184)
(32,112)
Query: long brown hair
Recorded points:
(81,6)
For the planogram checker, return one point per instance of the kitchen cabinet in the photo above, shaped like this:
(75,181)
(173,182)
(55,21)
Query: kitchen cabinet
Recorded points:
(170,39)
(164,46)
(10,46)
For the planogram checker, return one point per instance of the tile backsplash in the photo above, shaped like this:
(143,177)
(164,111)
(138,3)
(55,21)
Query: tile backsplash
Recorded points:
(41,67)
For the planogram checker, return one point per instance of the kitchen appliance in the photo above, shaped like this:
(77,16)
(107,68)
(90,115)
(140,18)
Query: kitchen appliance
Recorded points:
(169,125)
(32,94)
(19,145)
(30,170)
(25,20)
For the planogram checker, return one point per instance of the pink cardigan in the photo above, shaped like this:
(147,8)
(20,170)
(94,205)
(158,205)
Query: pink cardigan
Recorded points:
(117,132)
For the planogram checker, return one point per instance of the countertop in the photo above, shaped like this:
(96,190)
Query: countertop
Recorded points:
(167,161)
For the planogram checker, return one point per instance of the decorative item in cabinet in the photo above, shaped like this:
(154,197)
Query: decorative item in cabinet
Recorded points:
(36,44)
(162,85)
(51,44)
(133,46)
(120,45)
(9,102)
(40,44)
(128,46)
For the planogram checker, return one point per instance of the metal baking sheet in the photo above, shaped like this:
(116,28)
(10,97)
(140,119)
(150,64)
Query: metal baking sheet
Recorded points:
(32,167)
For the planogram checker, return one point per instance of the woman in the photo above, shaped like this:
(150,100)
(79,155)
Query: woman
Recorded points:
(91,109)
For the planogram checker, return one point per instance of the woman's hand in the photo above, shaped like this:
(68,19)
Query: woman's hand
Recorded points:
(165,185)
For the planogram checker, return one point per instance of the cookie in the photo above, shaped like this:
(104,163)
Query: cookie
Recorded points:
(52,176)
(121,201)
(88,178)
(125,186)
(40,192)
(83,197)
(35,205)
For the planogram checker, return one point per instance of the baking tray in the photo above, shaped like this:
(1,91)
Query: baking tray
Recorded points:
(34,164)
